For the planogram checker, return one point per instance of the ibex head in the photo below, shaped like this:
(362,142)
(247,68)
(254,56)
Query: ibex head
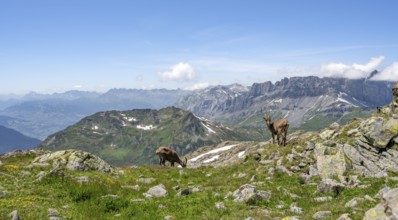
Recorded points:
(184,163)
(267,119)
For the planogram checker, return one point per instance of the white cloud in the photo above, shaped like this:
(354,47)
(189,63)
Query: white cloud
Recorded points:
(179,72)
(77,86)
(353,71)
(390,73)
(199,86)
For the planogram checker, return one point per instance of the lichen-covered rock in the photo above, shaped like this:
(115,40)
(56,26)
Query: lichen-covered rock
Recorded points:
(387,208)
(75,160)
(331,161)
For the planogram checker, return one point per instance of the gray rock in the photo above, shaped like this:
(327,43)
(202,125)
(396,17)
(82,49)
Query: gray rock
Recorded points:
(284,169)
(249,218)
(74,160)
(353,202)
(387,208)
(158,191)
(345,216)
(14,215)
(305,178)
(220,205)
(249,194)
(322,214)
(111,196)
(296,209)
(330,186)
(313,171)
(53,212)
(168,217)
(146,180)
(323,199)
(334,126)
(330,161)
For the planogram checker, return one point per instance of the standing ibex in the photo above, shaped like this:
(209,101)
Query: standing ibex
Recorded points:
(278,128)
(170,155)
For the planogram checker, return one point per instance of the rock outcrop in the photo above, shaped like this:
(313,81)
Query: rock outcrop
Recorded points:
(387,208)
(74,160)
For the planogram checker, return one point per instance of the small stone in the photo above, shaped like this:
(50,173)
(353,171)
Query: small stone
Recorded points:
(345,216)
(323,199)
(66,207)
(158,191)
(220,205)
(249,218)
(53,212)
(176,187)
(146,180)
(296,209)
(254,178)
(353,202)
(322,214)
(14,215)
(111,196)
(334,126)
(168,217)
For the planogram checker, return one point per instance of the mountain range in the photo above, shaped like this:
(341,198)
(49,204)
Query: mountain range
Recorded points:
(309,103)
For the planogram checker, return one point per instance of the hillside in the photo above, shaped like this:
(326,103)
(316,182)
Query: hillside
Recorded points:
(131,137)
(11,140)
(309,103)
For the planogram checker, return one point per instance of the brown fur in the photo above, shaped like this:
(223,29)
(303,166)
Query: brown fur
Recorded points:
(167,154)
(278,128)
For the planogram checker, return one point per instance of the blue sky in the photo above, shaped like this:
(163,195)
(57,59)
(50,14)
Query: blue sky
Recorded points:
(54,46)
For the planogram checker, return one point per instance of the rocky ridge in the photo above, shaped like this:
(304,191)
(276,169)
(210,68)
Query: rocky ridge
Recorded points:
(302,100)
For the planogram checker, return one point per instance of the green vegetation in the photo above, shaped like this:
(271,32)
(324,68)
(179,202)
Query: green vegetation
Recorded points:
(93,200)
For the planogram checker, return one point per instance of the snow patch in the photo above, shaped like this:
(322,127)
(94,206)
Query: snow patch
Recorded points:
(211,159)
(287,114)
(95,127)
(240,154)
(94,132)
(208,128)
(277,100)
(146,127)
(217,150)
(130,119)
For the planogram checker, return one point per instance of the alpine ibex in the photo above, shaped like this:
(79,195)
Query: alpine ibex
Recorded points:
(170,155)
(278,128)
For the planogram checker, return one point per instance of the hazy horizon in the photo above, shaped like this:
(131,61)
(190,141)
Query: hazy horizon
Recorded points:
(56,46)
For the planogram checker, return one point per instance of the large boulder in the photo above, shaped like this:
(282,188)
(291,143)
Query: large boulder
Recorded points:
(386,209)
(75,160)
(331,161)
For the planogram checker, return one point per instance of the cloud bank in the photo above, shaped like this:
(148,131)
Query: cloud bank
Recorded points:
(390,73)
(353,71)
(179,72)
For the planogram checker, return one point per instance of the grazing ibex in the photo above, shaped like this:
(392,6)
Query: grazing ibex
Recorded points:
(278,128)
(170,155)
